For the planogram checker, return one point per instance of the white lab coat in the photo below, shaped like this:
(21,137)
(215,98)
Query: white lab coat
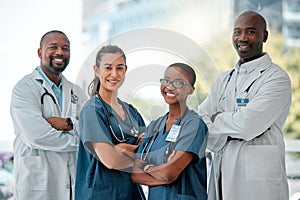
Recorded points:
(247,139)
(44,158)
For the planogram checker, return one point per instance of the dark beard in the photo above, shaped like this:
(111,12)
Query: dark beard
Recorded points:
(58,69)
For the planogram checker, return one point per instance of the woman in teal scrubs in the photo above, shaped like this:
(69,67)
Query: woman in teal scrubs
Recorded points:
(171,159)
(110,130)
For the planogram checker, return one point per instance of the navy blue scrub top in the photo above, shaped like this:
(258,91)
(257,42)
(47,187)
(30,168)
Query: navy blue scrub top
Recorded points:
(191,184)
(93,179)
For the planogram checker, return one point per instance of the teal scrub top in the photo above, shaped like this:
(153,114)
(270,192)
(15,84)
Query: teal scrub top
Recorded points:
(192,182)
(93,179)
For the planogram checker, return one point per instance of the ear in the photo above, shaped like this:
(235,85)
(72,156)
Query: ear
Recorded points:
(39,52)
(96,70)
(266,34)
(191,91)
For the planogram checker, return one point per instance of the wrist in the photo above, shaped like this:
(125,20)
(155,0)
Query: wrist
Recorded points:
(69,121)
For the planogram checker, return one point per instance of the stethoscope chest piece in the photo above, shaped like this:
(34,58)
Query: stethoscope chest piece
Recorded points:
(134,132)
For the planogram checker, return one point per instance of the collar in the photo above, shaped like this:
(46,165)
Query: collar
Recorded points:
(44,76)
(259,64)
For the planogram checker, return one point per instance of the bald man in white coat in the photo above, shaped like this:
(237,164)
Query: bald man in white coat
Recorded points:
(245,112)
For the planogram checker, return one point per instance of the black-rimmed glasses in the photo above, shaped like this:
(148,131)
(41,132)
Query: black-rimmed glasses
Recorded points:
(176,84)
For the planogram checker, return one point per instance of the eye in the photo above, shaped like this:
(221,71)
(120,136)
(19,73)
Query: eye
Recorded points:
(66,49)
(236,32)
(52,47)
(250,32)
(107,68)
(178,84)
(120,68)
(164,82)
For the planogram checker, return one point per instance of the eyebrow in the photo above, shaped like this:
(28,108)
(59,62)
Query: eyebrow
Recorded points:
(54,43)
(248,28)
(109,64)
(177,79)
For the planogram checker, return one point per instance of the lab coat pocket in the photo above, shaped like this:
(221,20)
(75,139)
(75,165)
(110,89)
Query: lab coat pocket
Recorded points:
(31,173)
(262,163)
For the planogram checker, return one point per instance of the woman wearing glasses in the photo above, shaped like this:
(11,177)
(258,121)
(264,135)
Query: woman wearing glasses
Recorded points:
(171,158)
(110,130)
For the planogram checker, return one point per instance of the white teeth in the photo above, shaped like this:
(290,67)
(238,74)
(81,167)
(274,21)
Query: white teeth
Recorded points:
(243,46)
(58,60)
(170,95)
(113,81)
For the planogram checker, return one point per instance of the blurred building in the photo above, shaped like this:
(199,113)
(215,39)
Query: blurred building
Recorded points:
(282,15)
(291,22)
(270,9)
(199,20)
(193,18)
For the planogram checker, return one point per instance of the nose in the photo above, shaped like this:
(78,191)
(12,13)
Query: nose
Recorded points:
(114,72)
(59,51)
(243,36)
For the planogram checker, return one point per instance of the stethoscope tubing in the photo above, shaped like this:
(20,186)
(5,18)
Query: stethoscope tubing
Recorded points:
(133,131)
(152,139)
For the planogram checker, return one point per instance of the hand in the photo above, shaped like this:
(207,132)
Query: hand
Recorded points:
(59,123)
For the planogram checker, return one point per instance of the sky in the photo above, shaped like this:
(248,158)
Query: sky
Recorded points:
(22,25)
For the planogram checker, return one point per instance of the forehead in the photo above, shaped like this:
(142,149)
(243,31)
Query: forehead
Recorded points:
(176,73)
(56,38)
(109,58)
(247,21)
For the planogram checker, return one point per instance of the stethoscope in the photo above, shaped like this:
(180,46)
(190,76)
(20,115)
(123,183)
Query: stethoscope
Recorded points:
(133,131)
(227,82)
(153,137)
(226,85)
(74,98)
(45,94)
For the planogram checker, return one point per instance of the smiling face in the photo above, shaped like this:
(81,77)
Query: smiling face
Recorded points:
(171,94)
(111,71)
(248,36)
(54,53)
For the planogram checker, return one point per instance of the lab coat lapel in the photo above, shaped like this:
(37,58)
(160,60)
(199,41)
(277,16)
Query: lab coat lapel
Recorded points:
(253,76)
(43,83)
(255,70)
(66,101)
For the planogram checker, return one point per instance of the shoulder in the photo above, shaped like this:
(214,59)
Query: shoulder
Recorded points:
(191,115)
(93,103)
(222,78)
(131,108)
(155,123)
(279,71)
(27,83)
(76,89)
(72,85)
(273,69)
(274,75)
(194,121)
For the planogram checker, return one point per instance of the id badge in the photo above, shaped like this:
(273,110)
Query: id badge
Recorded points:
(173,133)
(242,101)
